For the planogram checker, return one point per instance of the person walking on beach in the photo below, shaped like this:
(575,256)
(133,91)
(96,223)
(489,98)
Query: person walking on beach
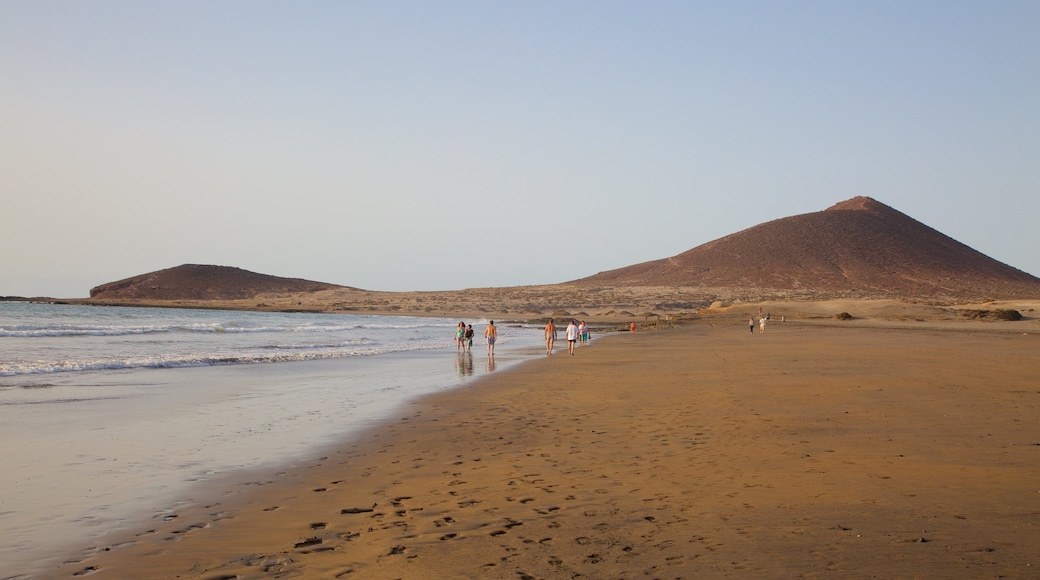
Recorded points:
(751,323)
(762,323)
(584,330)
(550,336)
(460,334)
(469,338)
(572,336)
(491,333)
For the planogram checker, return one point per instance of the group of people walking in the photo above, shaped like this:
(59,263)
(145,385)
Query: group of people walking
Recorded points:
(464,337)
(762,323)
(575,332)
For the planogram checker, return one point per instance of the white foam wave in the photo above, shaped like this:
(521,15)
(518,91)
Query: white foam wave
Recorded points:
(60,331)
(16,368)
(206,328)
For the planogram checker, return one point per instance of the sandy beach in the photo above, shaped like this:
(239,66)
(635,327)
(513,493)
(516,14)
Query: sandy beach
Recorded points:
(854,450)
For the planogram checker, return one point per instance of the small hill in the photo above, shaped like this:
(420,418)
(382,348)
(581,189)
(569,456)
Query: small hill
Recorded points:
(857,247)
(200,282)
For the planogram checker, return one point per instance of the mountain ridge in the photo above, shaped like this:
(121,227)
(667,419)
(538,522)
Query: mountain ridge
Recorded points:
(858,248)
(859,245)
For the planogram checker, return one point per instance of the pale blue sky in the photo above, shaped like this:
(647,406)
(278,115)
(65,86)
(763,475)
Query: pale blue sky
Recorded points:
(447,145)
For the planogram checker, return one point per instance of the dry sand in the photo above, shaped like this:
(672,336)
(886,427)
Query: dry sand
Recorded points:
(808,451)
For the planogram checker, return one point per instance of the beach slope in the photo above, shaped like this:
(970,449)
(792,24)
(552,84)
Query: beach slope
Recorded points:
(705,451)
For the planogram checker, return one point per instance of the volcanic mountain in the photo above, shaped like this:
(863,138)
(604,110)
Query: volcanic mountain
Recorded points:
(199,282)
(859,247)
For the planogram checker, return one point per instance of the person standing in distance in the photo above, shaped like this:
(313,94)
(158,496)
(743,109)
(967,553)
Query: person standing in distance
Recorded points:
(460,333)
(572,336)
(469,337)
(491,333)
(550,336)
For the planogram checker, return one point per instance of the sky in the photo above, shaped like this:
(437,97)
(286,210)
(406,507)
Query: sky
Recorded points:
(443,145)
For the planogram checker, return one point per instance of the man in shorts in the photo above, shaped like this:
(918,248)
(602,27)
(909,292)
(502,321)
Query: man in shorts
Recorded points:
(572,336)
(491,333)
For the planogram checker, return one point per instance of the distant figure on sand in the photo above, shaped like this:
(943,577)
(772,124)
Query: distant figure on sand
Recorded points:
(762,323)
(572,336)
(751,323)
(469,337)
(460,335)
(632,328)
(550,336)
(584,330)
(491,333)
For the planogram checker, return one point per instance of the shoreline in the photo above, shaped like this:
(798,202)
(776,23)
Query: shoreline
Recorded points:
(512,306)
(809,449)
(96,450)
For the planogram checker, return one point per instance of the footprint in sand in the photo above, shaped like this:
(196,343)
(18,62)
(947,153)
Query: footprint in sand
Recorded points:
(308,542)
(191,528)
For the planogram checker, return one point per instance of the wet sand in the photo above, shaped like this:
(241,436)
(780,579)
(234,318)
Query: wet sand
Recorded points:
(810,450)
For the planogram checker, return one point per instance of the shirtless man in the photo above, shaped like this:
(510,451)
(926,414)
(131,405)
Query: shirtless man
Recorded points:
(550,336)
(491,333)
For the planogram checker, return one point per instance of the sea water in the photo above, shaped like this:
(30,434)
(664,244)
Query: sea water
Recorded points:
(109,415)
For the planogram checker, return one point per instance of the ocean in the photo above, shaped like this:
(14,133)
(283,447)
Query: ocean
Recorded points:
(112,415)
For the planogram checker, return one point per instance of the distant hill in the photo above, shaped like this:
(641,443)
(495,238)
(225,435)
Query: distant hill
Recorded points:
(859,247)
(200,282)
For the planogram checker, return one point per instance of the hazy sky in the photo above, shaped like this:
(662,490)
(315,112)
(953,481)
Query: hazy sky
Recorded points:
(394,145)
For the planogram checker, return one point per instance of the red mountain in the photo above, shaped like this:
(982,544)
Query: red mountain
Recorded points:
(859,247)
(195,282)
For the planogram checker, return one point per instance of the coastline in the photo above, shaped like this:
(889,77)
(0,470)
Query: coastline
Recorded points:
(810,449)
(98,439)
